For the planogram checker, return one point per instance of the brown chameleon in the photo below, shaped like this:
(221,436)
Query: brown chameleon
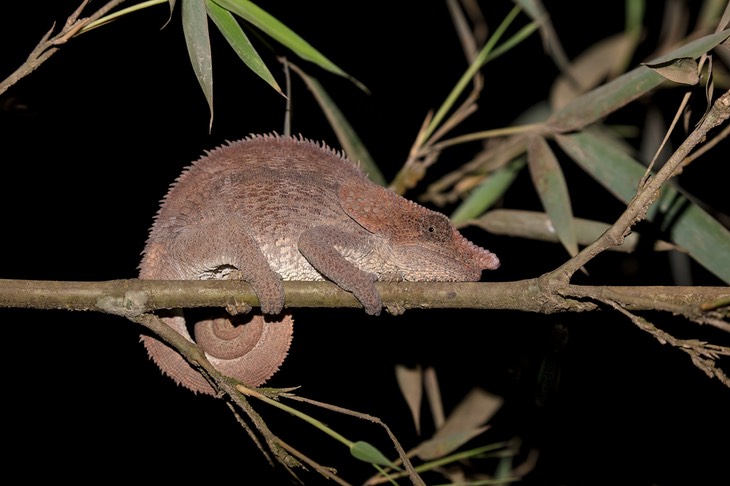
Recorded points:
(270,208)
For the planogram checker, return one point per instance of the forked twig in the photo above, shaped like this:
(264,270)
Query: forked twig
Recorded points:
(48,45)
(703,354)
(646,195)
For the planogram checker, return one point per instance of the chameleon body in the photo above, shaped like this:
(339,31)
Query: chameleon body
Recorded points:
(270,208)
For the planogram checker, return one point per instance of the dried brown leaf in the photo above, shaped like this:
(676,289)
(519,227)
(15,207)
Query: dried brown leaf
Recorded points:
(682,71)
(433,392)
(464,423)
(410,382)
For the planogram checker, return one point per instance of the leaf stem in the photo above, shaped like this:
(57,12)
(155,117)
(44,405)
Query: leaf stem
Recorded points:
(310,420)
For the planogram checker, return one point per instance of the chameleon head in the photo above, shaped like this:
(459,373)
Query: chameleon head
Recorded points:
(430,248)
(417,244)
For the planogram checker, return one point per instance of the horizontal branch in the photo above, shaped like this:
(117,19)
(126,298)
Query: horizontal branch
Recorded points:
(133,297)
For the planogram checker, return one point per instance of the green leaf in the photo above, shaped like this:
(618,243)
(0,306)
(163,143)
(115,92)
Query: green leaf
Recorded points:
(488,192)
(479,61)
(688,225)
(238,40)
(366,452)
(695,48)
(549,182)
(347,136)
(268,24)
(635,10)
(195,28)
(598,103)
(603,60)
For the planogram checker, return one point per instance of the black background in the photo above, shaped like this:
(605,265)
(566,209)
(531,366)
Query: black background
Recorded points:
(90,143)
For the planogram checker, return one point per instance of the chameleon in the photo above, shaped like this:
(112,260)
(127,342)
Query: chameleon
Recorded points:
(269,208)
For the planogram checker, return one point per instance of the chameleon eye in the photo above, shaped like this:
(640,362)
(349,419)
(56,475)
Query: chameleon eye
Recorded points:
(435,227)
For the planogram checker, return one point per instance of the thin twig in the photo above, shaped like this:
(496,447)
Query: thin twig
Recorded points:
(254,438)
(324,471)
(707,146)
(644,198)
(412,474)
(49,45)
(702,354)
(226,386)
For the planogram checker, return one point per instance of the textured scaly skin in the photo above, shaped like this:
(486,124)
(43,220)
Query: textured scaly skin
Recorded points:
(270,208)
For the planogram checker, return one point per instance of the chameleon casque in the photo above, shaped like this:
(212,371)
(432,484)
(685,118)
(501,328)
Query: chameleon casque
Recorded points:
(270,208)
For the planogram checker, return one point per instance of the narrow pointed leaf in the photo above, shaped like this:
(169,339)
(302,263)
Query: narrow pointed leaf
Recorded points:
(695,48)
(465,422)
(367,452)
(271,26)
(551,43)
(592,67)
(688,225)
(348,138)
(547,177)
(444,445)
(410,382)
(480,60)
(195,28)
(433,393)
(504,469)
(237,39)
(535,225)
(488,192)
(598,103)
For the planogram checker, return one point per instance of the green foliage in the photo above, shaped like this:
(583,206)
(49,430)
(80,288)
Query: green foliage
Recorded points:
(690,226)
(574,122)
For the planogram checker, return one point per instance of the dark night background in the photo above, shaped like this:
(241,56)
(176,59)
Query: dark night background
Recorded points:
(90,143)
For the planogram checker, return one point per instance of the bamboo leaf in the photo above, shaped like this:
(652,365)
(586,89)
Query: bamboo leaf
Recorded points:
(433,394)
(695,48)
(682,70)
(172,9)
(367,452)
(479,61)
(272,27)
(593,66)
(465,422)
(598,103)
(348,138)
(687,224)
(195,28)
(537,226)
(238,40)
(410,382)
(549,182)
(443,445)
(488,192)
